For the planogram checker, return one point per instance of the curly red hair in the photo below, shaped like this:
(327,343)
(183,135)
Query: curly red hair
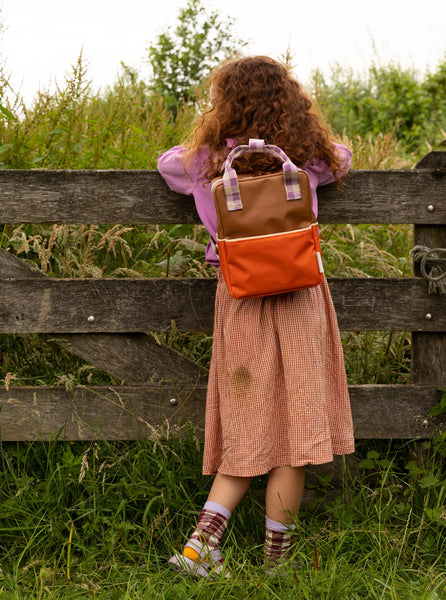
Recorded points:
(257,97)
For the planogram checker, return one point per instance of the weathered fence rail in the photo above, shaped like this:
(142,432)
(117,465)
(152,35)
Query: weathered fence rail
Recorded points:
(104,320)
(140,197)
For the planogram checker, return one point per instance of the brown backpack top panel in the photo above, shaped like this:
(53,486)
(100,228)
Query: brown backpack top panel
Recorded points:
(266,209)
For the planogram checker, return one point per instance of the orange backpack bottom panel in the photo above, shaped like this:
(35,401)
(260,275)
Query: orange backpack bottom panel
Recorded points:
(271,264)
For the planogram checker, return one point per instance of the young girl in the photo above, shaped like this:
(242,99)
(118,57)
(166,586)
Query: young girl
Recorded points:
(277,395)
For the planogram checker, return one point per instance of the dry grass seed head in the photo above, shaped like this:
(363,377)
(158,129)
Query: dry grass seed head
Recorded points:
(382,151)
(112,237)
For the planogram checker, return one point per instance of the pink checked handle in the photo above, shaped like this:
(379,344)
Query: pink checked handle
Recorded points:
(230,183)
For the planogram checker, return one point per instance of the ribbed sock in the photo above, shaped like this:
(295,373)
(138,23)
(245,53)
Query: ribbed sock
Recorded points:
(277,541)
(205,541)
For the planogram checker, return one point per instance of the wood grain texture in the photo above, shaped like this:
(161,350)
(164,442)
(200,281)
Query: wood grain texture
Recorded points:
(433,161)
(149,305)
(46,196)
(124,412)
(132,357)
(97,412)
(142,197)
(64,306)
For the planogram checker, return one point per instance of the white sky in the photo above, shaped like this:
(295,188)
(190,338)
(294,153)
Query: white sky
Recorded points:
(43,38)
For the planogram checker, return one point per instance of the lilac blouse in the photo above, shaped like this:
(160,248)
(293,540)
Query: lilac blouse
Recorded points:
(193,182)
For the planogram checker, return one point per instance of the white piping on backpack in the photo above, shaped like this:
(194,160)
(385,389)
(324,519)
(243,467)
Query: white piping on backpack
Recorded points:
(257,237)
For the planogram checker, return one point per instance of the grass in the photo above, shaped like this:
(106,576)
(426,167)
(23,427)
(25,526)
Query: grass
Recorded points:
(99,520)
(73,128)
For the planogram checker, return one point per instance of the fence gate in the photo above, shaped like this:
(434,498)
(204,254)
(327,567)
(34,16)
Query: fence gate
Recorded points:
(105,321)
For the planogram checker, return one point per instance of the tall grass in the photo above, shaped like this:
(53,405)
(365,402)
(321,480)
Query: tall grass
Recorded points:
(124,128)
(100,520)
(72,128)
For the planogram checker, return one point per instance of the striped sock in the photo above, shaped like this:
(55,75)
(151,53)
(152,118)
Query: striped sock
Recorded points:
(204,543)
(277,541)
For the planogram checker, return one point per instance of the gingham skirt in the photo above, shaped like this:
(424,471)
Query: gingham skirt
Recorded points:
(277,391)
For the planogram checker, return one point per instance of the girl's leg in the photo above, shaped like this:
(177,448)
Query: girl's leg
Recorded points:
(283,497)
(284,493)
(228,490)
(201,555)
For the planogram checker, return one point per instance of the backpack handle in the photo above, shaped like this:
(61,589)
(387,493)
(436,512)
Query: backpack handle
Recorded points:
(230,183)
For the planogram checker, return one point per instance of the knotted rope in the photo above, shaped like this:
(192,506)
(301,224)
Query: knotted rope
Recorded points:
(432,265)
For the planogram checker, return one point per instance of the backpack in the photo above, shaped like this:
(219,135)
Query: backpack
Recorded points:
(267,234)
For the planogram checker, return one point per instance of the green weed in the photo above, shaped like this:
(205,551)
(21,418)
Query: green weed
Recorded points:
(100,520)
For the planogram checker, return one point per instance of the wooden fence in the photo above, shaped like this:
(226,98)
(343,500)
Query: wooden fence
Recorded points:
(104,320)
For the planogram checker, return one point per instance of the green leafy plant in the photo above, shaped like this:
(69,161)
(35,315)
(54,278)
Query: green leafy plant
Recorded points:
(183,57)
(385,98)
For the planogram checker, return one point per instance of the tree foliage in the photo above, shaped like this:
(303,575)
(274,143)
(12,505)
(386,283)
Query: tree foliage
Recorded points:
(387,98)
(183,56)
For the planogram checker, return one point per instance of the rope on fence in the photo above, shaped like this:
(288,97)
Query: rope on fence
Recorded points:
(433,259)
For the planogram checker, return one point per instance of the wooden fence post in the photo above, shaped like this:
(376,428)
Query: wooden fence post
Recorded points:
(429,347)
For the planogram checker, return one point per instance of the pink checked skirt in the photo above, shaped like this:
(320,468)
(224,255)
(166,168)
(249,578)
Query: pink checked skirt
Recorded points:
(277,392)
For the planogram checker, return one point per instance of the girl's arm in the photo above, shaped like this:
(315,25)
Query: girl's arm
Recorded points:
(324,174)
(173,172)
